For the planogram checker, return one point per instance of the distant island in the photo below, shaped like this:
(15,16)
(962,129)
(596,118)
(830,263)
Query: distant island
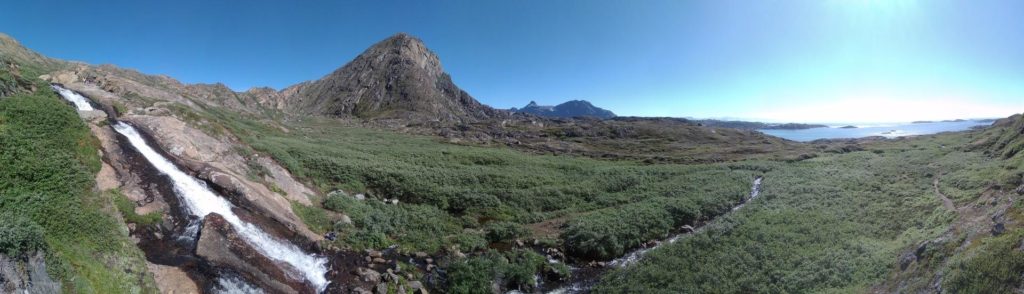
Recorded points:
(573,108)
(932,121)
(848,127)
(749,125)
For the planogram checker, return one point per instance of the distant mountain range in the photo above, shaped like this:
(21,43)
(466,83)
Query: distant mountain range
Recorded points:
(751,125)
(574,108)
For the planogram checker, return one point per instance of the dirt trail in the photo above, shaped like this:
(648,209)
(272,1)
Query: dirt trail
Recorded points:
(945,200)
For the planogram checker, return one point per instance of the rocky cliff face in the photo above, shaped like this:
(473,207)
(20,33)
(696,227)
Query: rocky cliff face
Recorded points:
(395,78)
(574,108)
(26,274)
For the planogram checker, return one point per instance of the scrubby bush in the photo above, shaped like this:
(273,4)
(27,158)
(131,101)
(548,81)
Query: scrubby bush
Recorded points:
(19,235)
(127,208)
(993,267)
(505,231)
(610,232)
(513,269)
(48,159)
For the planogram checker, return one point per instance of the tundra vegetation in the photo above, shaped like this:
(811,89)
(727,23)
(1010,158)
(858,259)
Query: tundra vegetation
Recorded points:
(867,216)
(48,201)
(834,221)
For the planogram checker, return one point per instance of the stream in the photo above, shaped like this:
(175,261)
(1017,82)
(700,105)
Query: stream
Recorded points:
(198,200)
(591,275)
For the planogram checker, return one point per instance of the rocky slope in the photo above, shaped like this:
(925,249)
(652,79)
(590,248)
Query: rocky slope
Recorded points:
(570,109)
(395,78)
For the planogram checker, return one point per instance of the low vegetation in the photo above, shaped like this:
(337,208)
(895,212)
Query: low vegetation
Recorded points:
(127,208)
(46,194)
(453,195)
(836,223)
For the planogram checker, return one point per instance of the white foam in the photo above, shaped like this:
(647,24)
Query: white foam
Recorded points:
(81,103)
(200,202)
(234,285)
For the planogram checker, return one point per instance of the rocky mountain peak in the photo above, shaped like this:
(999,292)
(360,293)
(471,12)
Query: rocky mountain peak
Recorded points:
(397,78)
(571,108)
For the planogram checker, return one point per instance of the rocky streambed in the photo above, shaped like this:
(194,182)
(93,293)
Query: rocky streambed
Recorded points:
(205,241)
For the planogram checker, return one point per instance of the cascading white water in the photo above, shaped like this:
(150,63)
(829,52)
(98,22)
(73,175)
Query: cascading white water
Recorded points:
(80,102)
(200,201)
(234,285)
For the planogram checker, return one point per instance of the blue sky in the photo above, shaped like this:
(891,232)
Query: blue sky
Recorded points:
(805,61)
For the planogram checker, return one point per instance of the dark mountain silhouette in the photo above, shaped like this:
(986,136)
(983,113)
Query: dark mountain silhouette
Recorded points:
(574,108)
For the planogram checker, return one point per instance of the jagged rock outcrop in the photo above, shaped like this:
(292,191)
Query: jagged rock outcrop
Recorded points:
(396,78)
(574,108)
(26,274)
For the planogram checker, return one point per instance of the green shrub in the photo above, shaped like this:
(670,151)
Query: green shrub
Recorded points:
(314,217)
(610,232)
(48,159)
(469,242)
(19,235)
(475,274)
(127,208)
(505,231)
(993,267)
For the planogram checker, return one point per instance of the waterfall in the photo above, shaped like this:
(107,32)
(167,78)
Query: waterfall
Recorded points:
(201,201)
(235,285)
(80,102)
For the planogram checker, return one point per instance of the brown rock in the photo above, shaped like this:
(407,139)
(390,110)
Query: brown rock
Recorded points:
(172,279)
(368,275)
(221,245)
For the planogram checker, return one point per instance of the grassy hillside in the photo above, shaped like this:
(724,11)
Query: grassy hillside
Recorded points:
(836,222)
(839,223)
(48,202)
(445,189)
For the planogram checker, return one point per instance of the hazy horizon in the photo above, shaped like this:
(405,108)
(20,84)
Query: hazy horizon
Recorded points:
(855,61)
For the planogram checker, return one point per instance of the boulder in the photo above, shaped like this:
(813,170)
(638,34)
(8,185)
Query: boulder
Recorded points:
(906,259)
(171,279)
(368,275)
(221,245)
(998,229)
(686,229)
(415,285)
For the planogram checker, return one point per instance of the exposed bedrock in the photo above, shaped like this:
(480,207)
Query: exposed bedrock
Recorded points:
(221,245)
(26,274)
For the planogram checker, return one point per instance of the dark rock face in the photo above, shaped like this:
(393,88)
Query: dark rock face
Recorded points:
(26,275)
(574,108)
(398,78)
(221,245)
(998,229)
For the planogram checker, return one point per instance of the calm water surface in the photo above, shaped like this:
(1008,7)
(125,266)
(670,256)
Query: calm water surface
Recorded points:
(890,131)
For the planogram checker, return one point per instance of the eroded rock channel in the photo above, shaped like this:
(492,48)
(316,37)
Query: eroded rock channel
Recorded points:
(214,243)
